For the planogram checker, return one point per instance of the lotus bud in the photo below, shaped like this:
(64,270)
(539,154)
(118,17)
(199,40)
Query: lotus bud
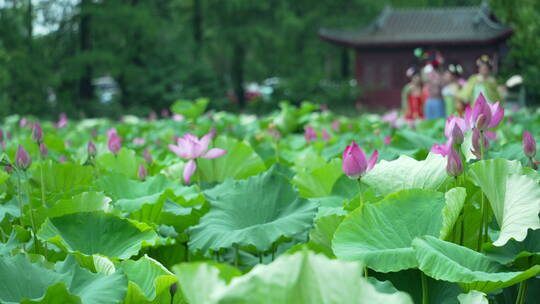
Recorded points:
(142,172)
(457,135)
(529,144)
(355,163)
(325,136)
(147,156)
(94,133)
(22,159)
(476,137)
(310,134)
(387,140)
(454,166)
(43,151)
(91,148)
(37,133)
(114,143)
(62,159)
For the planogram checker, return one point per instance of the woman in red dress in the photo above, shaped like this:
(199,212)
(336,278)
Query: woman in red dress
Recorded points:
(415,96)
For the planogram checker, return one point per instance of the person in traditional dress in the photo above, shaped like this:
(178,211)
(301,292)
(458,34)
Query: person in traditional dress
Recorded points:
(412,96)
(433,83)
(451,78)
(483,82)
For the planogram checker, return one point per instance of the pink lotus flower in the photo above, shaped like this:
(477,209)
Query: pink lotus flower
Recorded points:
(387,140)
(62,121)
(37,132)
(442,149)
(178,117)
(22,159)
(190,147)
(325,136)
(391,118)
(141,172)
(23,123)
(111,131)
(454,166)
(139,141)
(529,144)
(484,115)
(147,156)
(91,149)
(114,143)
(43,151)
(310,134)
(355,163)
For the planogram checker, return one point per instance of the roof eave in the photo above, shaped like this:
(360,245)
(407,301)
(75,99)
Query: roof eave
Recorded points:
(387,44)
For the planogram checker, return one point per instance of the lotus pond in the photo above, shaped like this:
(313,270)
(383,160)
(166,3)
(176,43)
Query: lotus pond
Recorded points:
(292,207)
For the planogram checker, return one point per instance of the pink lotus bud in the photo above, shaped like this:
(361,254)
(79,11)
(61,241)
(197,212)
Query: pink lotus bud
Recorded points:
(22,159)
(43,151)
(355,163)
(457,135)
(114,143)
(37,132)
(529,144)
(23,123)
(387,140)
(325,136)
(62,159)
(147,156)
(336,125)
(310,134)
(94,133)
(481,114)
(91,149)
(142,172)
(454,166)
(476,137)
(62,121)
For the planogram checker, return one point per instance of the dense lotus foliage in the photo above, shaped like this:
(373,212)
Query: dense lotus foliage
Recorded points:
(213,207)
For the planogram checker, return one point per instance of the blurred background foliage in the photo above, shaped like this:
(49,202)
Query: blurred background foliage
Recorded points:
(51,51)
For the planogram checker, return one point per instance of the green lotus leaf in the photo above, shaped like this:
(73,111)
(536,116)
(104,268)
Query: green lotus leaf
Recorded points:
(148,279)
(380,234)
(514,198)
(241,161)
(473,297)
(257,211)
(96,233)
(302,277)
(130,194)
(447,261)
(24,281)
(10,207)
(125,162)
(322,235)
(319,181)
(84,202)
(63,178)
(410,281)
(513,250)
(407,173)
(190,109)
(454,199)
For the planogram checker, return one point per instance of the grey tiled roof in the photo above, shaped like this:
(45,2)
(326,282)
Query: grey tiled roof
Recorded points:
(458,25)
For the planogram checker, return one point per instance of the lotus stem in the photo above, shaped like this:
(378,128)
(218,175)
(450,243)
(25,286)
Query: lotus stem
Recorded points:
(365,272)
(481,228)
(41,182)
(236,255)
(425,299)
(522,292)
